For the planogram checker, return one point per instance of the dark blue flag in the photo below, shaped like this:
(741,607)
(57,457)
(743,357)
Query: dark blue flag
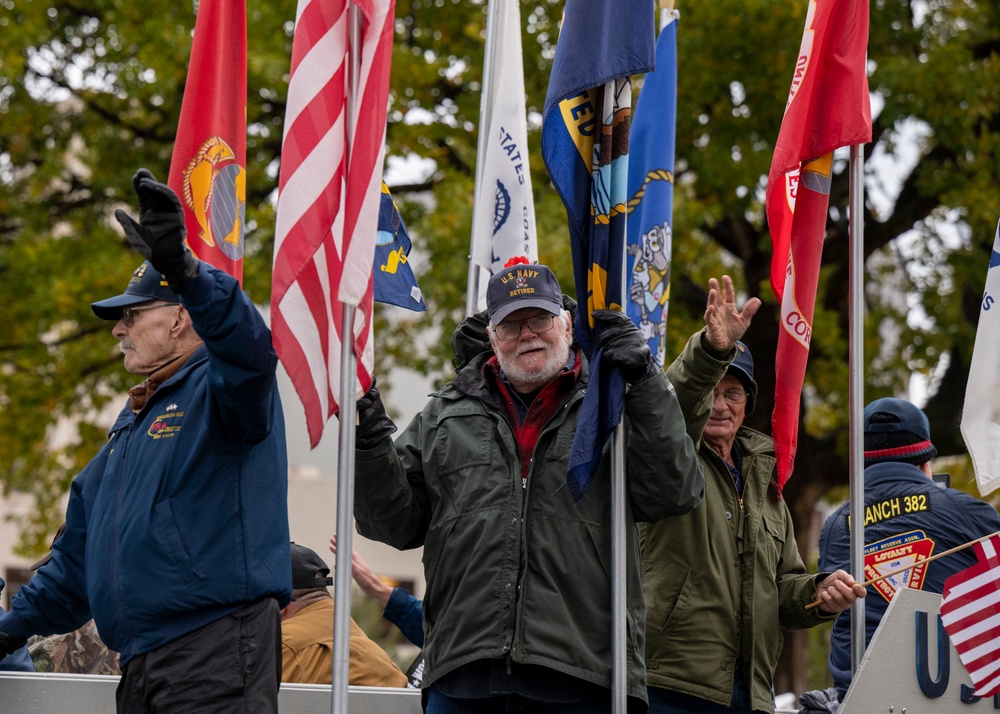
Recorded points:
(585,138)
(651,191)
(392,275)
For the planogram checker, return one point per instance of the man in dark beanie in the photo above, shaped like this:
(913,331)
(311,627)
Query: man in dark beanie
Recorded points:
(907,518)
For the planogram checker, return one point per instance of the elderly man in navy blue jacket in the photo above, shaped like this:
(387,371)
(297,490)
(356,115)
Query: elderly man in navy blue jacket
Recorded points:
(176,537)
(907,518)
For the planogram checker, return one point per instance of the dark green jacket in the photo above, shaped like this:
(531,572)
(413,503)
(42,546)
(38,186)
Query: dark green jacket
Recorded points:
(712,601)
(522,572)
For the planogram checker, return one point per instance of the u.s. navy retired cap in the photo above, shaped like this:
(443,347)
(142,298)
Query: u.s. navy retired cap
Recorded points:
(146,284)
(522,284)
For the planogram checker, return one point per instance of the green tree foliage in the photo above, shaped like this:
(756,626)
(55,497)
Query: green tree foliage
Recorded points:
(90,90)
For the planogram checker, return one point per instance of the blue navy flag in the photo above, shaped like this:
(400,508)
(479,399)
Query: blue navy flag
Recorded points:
(393,278)
(585,134)
(651,191)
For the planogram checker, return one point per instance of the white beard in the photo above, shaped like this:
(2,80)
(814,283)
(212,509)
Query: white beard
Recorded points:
(555,359)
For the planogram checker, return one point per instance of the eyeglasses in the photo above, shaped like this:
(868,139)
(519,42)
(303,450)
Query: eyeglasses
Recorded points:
(129,313)
(511,330)
(732,396)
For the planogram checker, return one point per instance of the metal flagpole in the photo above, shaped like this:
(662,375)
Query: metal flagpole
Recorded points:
(856,403)
(345,450)
(493,14)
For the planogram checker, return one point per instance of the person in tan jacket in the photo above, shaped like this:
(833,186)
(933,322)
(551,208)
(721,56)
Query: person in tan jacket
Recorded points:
(307,633)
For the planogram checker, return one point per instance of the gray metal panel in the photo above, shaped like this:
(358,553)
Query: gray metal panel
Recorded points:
(95,694)
(886,680)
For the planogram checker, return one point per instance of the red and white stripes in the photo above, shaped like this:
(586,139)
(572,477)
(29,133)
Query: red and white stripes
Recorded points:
(970,613)
(328,200)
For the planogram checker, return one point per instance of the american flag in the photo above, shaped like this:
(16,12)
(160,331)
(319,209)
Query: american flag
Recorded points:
(328,200)
(970,613)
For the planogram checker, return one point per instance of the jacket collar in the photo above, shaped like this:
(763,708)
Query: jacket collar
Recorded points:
(894,471)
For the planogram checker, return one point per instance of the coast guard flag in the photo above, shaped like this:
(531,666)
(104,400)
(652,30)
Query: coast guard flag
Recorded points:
(828,107)
(651,187)
(208,166)
(981,414)
(327,218)
(392,275)
(505,216)
(585,146)
(970,613)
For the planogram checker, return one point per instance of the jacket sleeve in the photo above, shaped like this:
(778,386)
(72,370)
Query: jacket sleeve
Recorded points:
(55,600)
(407,613)
(834,542)
(796,587)
(695,373)
(391,503)
(242,359)
(665,477)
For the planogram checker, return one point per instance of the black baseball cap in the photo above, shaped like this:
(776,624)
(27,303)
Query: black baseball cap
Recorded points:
(308,569)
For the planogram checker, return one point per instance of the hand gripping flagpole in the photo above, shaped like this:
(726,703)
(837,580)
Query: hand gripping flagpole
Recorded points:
(494,8)
(345,450)
(911,566)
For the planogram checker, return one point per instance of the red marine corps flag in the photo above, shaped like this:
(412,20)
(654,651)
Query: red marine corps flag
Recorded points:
(208,168)
(828,107)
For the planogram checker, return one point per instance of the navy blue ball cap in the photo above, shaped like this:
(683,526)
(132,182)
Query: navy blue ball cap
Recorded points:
(522,284)
(145,285)
(742,368)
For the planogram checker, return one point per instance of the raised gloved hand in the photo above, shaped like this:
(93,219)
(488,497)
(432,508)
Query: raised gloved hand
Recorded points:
(373,423)
(623,345)
(10,644)
(159,234)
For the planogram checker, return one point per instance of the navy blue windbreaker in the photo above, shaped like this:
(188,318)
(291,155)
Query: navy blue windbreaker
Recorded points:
(181,518)
(906,516)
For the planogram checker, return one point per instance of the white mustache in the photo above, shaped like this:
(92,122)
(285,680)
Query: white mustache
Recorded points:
(533,345)
(125,345)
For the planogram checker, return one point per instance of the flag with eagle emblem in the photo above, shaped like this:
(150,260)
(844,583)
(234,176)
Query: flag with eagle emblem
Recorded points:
(208,168)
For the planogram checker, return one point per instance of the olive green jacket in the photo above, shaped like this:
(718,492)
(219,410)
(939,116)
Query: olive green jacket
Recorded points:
(716,600)
(523,572)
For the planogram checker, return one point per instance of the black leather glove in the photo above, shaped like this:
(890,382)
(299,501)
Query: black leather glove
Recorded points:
(623,345)
(373,423)
(159,234)
(9,644)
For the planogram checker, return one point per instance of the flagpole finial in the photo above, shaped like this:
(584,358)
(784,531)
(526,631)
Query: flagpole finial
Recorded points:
(666,4)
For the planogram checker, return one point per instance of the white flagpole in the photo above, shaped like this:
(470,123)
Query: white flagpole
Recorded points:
(856,403)
(485,112)
(345,451)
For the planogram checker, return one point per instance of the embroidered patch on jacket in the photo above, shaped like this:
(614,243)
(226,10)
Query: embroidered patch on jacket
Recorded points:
(166,425)
(895,552)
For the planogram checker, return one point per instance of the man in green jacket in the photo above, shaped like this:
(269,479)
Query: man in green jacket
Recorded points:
(722,581)
(517,611)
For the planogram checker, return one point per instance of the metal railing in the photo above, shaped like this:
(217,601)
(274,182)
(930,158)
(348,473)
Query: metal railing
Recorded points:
(95,694)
